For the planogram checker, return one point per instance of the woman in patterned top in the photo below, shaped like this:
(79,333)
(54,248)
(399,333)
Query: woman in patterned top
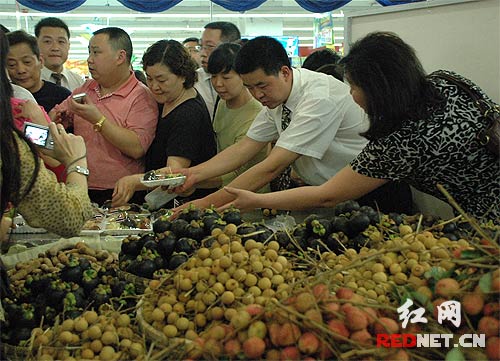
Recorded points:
(422,131)
(27,184)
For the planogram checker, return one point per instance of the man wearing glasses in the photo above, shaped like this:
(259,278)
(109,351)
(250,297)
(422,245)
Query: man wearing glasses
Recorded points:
(215,33)
(193,47)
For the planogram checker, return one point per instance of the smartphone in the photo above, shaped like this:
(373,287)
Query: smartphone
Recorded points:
(39,135)
(79,97)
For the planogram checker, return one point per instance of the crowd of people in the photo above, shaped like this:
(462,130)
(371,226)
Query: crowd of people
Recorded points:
(234,119)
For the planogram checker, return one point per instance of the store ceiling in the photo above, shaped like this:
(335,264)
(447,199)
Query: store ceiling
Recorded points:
(274,17)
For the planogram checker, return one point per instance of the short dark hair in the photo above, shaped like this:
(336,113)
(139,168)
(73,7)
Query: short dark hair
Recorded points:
(188,40)
(334,70)
(119,40)
(393,80)
(175,56)
(222,58)
(51,22)
(22,37)
(261,52)
(228,31)
(320,58)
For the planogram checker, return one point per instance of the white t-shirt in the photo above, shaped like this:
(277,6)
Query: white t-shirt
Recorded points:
(206,90)
(70,80)
(22,93)
(324,127)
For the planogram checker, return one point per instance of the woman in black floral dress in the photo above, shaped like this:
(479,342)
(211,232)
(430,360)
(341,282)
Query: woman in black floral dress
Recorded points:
(422,131)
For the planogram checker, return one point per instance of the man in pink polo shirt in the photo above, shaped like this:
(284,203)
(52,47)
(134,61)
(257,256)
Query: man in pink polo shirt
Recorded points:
(117,117)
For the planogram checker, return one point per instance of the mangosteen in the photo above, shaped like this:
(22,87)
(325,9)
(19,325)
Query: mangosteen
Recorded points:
(334,243)
(179,227)
(37,284)
(282,238)
(131,246)
(264,233)
(219,223)
(161,225)
(194,231)
(246,228)
(371,213)
(20,334)
(89,280)
(133,266)
(100,295)
(185,244)
(191,213)
(211,211)
(450,227)
(357,242)
(166,246)
(357,223)
(129,222)
(346,207)
(451,236)
(232,215)
(84,263)
(151,244)
(72,272)
(308,220)
(117,288)
(27,316)
(159,262)
(321,227)
(74,299)
(55,293)
(177,260)
(146,268)
(73,313)
(396,217)
(208,222)
(339,224)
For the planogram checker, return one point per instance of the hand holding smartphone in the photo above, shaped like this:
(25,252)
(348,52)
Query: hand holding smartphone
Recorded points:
(79,98)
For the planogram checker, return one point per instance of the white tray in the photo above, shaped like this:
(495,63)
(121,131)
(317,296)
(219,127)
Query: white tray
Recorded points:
(172,182)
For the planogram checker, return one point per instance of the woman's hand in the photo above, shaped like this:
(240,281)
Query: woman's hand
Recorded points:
(32,112)
(125,189)
(243,200)
(5,225)
(67,147)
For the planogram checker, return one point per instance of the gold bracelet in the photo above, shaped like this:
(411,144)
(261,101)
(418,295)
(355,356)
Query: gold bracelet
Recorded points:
(99,124)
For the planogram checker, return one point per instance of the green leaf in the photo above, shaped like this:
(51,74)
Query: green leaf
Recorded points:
(455,354)
(437,273)
(485,283)
(468,254)
(420,298)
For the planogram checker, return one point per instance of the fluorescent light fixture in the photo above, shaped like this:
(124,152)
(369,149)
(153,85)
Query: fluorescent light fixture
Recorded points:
(298,29)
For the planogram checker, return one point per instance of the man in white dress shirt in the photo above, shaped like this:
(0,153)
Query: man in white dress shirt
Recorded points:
(311,116)
(215,33)
(53,40)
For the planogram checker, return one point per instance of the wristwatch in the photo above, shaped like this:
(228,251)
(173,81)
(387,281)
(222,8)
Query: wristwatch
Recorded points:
(99,124)
(78,169)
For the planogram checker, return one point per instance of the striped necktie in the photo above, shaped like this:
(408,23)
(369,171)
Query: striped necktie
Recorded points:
(57,77)
(283,181)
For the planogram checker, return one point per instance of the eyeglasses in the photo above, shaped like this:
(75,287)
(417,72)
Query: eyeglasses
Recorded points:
(208,47)
(194,49)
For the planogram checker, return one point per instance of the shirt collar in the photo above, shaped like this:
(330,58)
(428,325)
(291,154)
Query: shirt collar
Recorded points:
(294,97)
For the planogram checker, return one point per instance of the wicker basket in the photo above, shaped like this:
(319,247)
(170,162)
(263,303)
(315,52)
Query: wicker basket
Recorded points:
(140,283)
(158,337)
(13,353)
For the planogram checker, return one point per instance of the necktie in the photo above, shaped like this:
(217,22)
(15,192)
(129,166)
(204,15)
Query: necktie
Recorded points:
(57,77)
(283,181)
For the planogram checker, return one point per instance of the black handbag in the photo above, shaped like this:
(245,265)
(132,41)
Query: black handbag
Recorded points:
(489,136)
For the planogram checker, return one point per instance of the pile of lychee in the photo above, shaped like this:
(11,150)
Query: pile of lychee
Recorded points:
(312,324)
